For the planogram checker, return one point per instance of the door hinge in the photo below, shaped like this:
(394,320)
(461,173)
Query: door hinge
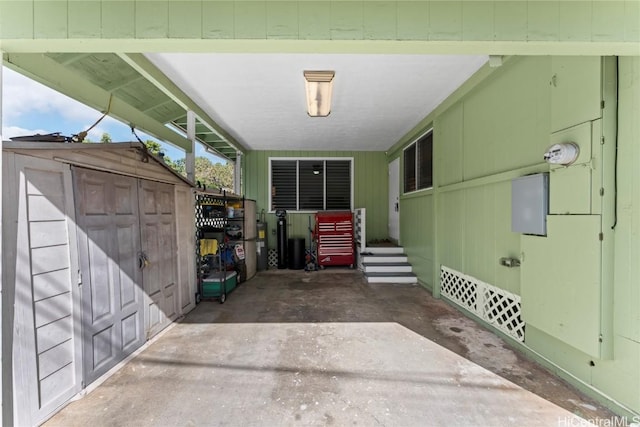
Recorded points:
(601,191)
(602,104)
(601,236)
(79,277)
(602,140)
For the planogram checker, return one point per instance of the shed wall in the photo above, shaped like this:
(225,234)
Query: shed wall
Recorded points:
(42,316)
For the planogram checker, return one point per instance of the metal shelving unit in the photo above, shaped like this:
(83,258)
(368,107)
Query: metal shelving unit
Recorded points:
(214,222)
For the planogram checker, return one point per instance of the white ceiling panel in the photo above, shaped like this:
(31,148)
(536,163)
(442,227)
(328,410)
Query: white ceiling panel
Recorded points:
(260,98)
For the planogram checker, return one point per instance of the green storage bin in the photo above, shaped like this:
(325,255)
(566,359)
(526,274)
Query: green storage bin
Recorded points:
(212,284)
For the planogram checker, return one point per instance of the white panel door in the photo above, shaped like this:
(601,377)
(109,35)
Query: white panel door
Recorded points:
(158,232)
(394,200)
(109,246)
(185,233)
(42,300)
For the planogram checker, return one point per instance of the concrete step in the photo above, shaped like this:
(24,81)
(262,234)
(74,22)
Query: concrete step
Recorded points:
(387,267)
(391,278)
(384,250)
(382,258)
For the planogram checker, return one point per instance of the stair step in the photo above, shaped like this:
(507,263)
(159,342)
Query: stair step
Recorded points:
(384,250)
(387,267)
(383,258)
(391,278)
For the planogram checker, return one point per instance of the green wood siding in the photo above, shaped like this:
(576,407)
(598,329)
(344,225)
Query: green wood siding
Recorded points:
(505,122)
(418,242)
(575,91)
(370,189)
(608,26)
(499,130)
(620,377)
(560,310)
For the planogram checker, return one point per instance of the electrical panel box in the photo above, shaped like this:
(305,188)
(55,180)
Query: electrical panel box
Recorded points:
(530,204)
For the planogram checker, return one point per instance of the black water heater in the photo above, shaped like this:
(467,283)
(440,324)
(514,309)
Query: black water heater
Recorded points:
(281,214)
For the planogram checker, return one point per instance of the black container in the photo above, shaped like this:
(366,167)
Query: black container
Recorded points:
(282,242)
(296,253)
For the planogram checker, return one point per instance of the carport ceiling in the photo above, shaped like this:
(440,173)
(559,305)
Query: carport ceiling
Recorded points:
(256,101)
(260,98)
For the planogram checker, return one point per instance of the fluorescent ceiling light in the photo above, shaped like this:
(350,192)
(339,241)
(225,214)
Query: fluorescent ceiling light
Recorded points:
(319,85)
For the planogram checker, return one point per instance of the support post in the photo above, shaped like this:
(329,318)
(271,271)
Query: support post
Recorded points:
(190,158)
(237,174)
(2,349)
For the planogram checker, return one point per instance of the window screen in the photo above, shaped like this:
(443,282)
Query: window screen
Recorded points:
(410,169)
(311,176)
(418,164)
(425,161)
(311,184)
(284,185)
(338,184)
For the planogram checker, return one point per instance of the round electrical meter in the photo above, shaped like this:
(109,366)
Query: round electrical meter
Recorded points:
(562,154)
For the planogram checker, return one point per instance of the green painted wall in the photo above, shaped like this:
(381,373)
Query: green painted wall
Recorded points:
(608,24)
(497,131)
(486,136)
(370,189)
(418,237)
(627,267)
(621,376)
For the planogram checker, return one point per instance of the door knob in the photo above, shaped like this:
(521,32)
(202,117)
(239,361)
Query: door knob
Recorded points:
(143,260)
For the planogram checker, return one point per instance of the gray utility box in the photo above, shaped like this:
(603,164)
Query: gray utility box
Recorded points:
(530,204)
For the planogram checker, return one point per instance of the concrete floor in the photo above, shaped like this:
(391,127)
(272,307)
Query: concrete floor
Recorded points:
(325,348)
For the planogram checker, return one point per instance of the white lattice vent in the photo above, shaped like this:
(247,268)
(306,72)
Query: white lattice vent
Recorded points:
(459,288)
(272,258)
(496,306)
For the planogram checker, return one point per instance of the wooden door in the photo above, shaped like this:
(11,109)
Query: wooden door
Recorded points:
(109,247)
(40,294)
(158,240)
(186,262)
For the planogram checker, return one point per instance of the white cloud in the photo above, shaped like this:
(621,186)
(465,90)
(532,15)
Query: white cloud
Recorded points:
(95,134)
(22,96)
(11,131)
(26,98)
(116,129)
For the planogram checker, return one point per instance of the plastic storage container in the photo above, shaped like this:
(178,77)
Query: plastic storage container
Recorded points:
(212,285)
(295,248)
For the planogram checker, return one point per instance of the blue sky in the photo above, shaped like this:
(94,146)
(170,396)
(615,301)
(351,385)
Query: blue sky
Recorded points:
(29,107)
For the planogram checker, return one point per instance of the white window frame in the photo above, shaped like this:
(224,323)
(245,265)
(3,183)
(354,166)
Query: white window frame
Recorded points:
(323,159)
(417,161)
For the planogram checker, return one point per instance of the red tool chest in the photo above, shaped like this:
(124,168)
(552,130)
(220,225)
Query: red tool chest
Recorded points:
(334,237)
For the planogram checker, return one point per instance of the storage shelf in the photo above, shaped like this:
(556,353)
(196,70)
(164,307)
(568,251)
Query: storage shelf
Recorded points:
(213,222)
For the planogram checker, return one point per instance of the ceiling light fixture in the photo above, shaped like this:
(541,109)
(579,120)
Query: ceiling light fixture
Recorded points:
(319,85)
